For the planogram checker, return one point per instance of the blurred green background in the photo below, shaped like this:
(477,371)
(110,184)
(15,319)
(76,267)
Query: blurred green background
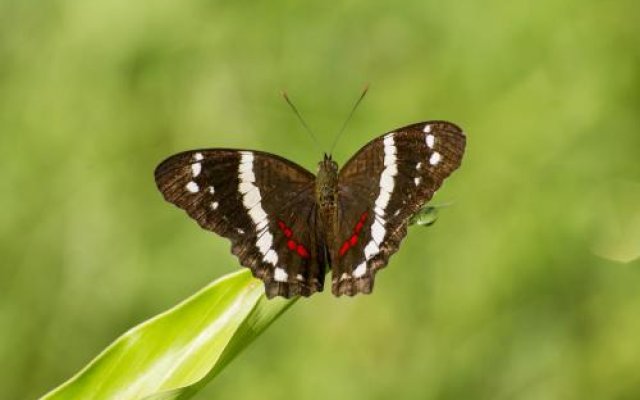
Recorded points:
(527,288)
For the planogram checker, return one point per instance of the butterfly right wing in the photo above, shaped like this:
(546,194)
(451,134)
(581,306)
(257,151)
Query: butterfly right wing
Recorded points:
(381,187)
(262,203)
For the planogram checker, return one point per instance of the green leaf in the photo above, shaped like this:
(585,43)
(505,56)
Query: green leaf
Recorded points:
(173,355)
(426,216)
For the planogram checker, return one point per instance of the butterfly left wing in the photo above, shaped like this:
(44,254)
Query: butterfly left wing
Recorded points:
(380,188)
(264,204)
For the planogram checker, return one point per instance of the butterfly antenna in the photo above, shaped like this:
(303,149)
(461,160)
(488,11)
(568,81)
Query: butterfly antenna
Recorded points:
(295,110)
(353,110)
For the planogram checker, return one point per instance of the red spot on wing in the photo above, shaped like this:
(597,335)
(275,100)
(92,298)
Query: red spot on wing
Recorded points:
(291,244)
(302,251)
(344,248)
(353,240)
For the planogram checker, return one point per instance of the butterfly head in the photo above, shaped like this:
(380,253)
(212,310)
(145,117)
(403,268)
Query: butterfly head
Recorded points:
(327,165)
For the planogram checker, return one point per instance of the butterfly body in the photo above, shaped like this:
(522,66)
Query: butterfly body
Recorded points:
(288,225)
(327,198)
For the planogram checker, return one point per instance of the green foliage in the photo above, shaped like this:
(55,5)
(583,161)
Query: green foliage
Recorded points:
(174,354)
(529,287)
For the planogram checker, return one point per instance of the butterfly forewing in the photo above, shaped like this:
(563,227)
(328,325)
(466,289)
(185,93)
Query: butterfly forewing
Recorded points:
(383,185)
(262,203)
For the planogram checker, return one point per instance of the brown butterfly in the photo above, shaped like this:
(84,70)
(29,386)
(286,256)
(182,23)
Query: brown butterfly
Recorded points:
(287,224)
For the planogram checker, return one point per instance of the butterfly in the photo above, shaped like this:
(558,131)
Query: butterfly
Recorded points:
(288,225)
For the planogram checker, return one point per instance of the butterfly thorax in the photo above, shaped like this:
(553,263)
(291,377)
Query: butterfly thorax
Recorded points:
(327,195)
(327,183)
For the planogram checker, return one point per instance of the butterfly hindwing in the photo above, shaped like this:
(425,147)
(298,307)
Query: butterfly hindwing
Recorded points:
(383,185)
(262,203)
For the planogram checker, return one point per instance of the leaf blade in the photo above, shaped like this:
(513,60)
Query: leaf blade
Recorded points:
(177,352)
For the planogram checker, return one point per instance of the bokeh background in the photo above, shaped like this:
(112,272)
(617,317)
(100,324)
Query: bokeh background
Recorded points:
(528,287)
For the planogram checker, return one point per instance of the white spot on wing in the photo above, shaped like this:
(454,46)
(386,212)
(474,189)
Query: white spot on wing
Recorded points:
(196,169)
(377,232)
(418,165)
(211,189)
(344,276)
(280,275)
(257,214)
(360,270)
(392,169)
(431,141)
(193,187)
(251,200)
(247,157)
(388,140)
(214,205)
(371,250)
(262,225)
(427,128)
(383,199)
(435,158)
(246,167)
(245,186)
(271,257)
(299,277)
(387,183)
(249,177)
(198,157)
(417,180)
(389,158)
(264,243)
